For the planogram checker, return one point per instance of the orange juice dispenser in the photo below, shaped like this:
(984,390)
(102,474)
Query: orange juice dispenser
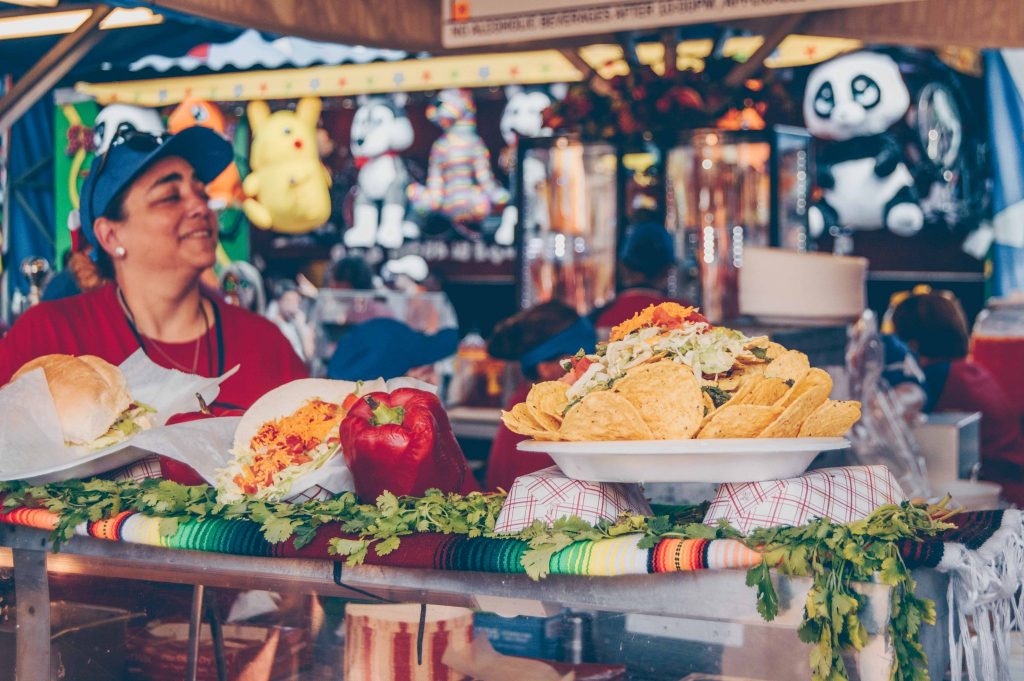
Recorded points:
(568,209)
(727,190)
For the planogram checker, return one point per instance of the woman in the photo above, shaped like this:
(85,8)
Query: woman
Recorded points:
(538,338)
(935,328)
(145,212)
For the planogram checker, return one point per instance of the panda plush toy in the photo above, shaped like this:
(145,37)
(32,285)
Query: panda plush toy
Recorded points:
(851,102)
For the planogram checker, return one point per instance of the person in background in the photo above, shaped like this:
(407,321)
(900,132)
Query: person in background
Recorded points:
(386,348)
(539,338)
(79,274)
(934,327)
(352,273)
(287,314)
(647,255)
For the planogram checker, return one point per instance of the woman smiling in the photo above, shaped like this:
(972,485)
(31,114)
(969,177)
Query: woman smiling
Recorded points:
(146,213)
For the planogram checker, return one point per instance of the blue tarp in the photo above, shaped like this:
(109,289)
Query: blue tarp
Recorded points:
(30,175)
(1004,70)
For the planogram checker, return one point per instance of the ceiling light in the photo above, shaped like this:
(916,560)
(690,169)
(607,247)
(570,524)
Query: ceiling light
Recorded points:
(55,23)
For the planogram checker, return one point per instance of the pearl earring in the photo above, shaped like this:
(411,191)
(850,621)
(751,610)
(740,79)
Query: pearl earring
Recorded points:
(120,252)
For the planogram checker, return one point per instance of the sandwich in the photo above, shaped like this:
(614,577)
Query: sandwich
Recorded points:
(288,433)
(93,404)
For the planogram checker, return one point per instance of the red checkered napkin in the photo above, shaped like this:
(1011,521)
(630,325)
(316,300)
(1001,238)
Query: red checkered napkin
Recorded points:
(841,494)
(548,495)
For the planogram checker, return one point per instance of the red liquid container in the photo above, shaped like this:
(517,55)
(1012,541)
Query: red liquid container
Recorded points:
(1004,359)
(997,343)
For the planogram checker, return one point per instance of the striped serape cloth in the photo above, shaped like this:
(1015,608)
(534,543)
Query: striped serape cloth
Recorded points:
(607,557)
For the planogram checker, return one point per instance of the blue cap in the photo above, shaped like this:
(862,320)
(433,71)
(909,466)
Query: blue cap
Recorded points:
(648,248)
(387,348)
(205,150)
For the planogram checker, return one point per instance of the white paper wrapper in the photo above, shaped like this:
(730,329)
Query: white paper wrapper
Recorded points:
(31,444)
(333,477)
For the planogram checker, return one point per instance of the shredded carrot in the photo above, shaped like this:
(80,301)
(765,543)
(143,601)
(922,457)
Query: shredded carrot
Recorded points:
(667,315)
(288,441)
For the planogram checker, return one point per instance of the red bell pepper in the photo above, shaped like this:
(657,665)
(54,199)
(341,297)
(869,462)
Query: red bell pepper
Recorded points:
(402,442)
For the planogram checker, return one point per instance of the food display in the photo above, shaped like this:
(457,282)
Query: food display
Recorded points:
(287,433)
(668,374)
(91,397)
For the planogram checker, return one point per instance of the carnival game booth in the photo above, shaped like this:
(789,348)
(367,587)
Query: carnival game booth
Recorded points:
(353,517)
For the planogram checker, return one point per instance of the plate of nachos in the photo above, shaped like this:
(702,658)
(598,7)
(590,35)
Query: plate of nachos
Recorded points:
(704,403)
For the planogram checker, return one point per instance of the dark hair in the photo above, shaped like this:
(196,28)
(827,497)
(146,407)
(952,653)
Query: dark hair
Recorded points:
(115,212)
(525,330)
(354,271)
(934,325)
(648,250)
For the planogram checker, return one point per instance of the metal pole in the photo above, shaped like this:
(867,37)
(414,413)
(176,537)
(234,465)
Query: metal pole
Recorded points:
(32,593)
(195,630)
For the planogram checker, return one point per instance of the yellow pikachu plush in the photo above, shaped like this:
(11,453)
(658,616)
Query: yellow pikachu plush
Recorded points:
(287,190)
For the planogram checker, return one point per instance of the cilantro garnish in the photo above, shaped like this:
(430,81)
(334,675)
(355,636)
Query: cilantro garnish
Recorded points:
(833,556)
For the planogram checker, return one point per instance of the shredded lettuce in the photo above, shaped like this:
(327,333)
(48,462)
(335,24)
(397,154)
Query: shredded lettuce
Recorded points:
(707,351)
(134,419)
(284,480)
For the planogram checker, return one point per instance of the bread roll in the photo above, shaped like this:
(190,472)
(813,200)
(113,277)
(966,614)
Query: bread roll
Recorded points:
(89,393)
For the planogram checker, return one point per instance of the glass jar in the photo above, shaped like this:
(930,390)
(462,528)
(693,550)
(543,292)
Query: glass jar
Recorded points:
(997,343)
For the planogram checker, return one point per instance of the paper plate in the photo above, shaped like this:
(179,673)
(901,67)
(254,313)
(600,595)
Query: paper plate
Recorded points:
(736,460)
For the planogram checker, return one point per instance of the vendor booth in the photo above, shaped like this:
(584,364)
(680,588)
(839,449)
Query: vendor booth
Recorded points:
(734,482)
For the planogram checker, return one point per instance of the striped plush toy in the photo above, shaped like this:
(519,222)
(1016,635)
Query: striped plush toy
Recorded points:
(460,183)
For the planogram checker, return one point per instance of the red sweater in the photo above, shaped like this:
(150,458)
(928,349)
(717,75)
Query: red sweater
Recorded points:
(970,387)
(94,324)
(506,463)
(627,304)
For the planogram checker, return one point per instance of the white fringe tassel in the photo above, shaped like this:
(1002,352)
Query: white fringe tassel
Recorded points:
(985,586)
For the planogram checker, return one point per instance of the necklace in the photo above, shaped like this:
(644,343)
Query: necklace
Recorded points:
(130,318)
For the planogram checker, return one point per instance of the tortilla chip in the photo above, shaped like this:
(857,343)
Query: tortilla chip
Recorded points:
(738,420)
(791,365)
(522,413)
(547,401)
(604,415)
(740,375)
(832,419)
(668,397)
(709,404)
(789,422)
(523,424)
(812,379)
(746,386)
(774,350)
(765,391)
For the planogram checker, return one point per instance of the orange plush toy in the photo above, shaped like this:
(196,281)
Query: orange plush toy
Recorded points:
(226,188)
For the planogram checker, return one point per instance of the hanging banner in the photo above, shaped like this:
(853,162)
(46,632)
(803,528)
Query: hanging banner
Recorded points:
(471,23)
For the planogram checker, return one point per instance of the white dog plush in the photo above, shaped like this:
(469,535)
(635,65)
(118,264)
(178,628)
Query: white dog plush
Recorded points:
(380,130)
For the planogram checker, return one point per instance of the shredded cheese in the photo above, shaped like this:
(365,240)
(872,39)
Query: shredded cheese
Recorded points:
(653,315)
(289,441)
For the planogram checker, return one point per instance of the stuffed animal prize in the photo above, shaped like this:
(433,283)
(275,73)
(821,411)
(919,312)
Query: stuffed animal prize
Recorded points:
(460,183)
(287,189)
(380,129)
(851,102)
(119,119)
(226,188)
(523,117)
